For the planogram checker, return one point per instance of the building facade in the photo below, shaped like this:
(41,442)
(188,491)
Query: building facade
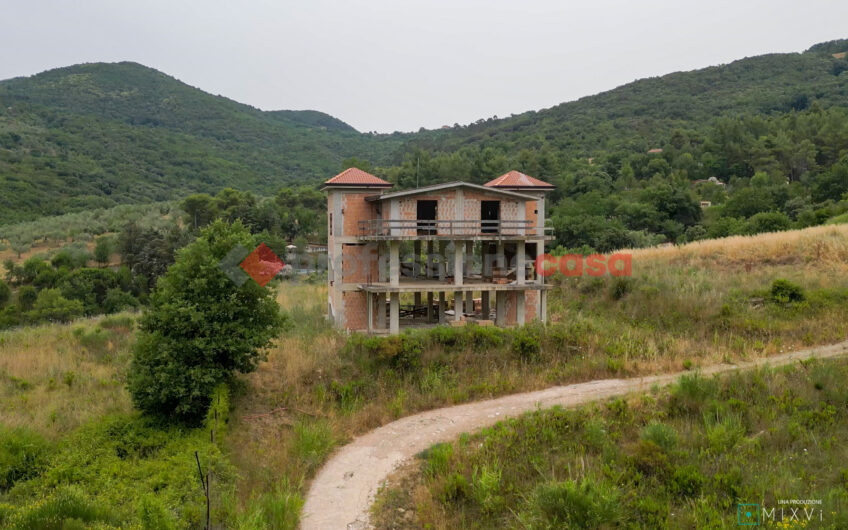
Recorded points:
(454,252)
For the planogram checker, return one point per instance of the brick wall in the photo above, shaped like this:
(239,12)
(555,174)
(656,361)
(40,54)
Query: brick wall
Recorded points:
(530,302)
(355,305)
(355,209)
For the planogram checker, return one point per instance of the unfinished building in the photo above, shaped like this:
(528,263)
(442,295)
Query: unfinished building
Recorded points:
(454,252)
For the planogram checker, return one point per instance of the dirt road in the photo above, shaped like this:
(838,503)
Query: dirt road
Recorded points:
(344,488)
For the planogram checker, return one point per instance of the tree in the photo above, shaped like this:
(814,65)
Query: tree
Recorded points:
(102,250)
(200,209)
(5,293)
(200,329)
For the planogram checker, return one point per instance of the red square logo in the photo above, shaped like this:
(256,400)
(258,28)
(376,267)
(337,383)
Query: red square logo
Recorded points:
(262,264)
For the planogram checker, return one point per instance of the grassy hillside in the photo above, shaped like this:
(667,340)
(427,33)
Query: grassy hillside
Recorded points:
(62,385)
(679,459)
(94,135)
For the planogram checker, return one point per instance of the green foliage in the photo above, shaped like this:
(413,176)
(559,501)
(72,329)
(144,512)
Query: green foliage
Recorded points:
(23,455)
(785,292)
(68,508)
(584,504)
(51,306)
(200,329)
(313,441)
(5,293)
(526,342)
(661,434)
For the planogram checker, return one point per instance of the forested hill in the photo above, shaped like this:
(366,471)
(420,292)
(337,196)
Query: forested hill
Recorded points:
(100,134)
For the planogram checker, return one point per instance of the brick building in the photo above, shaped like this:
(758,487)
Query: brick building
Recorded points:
(441,253)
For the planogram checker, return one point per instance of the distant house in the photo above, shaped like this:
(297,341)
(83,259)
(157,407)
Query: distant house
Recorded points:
(711,180)
(706,204)
(654,151)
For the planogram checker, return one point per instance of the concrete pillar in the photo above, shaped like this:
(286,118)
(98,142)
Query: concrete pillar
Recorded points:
(469,258)
(382,262)
(417,299)
(394,314)
(394,263)
(442,263)
(486,272)
(484,304)
(469,302)
(500,308)
(543,306)
(429,272)
(458,252)
(442,306)
(429,306)
(520,266)
(457,306)
(416,259)
(500,256)
(370,308)
(381,310)
(520,310)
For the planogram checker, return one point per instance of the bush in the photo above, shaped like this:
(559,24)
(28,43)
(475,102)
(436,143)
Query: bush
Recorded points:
(526,343)
(400,352)
(200,329)
(27,295)
(686,481)
(23,455)
(588,504)
(661,434)
(51,305)
(786,292)
(5,293)
(117,300)
(65,509)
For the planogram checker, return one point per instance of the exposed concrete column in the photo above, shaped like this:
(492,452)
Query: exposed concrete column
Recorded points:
(543,306)
(469,302)
(429,272)
(442,263)
(417,301)
(519,308)
(394,314)
(500,308)
(500,256)
(394,263)
(457,306)
(416,259)
(458,252)
(429,306)
(520,266)
(382,261)
(381,310)
(469,258)
(442,306)
(484,306)
(370,308)
(486,271)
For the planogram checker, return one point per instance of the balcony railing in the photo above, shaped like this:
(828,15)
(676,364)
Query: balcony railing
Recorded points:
(387,228)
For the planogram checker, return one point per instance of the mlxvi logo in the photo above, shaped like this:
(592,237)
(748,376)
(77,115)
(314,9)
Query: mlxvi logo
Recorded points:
(788,511)
(748,514)
(262,265)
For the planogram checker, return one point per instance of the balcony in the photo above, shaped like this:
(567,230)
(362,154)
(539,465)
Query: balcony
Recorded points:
(474,229)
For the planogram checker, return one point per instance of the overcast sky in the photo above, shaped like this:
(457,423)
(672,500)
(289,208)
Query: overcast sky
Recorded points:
(391,65)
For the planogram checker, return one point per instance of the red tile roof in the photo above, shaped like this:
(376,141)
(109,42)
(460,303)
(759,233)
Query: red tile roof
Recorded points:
(515,179)
(356,177)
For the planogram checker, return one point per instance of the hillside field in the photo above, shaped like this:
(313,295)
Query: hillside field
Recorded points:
(72,447)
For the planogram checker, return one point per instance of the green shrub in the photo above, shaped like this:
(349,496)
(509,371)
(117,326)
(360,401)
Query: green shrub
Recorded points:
(691,392)
(279,509)
(686,481)
(95,340)
(153,515)
(454,487)
(437,459)
(313,441)
(27,295)
(526,342)
(786,292)
(661,434)
(67,508)
(486,487)
(400,352)
(587,504)
(23,455)
(117,300)
(5,293)
(650,459)
(620,288)
(51,305)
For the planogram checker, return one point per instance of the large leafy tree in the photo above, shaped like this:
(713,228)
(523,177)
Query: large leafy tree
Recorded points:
(201,328)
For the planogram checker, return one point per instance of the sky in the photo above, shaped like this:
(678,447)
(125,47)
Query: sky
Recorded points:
(399,65)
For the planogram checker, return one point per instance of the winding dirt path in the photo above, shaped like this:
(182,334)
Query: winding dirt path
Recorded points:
(342,492)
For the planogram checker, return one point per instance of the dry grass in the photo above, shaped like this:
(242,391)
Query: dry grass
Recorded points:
(823,246)
(51,383)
